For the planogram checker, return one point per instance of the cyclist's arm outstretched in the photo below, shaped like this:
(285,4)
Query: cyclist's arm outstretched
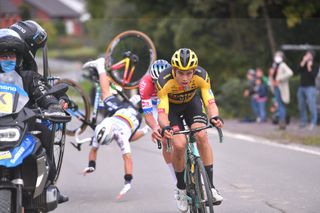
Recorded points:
(92,161)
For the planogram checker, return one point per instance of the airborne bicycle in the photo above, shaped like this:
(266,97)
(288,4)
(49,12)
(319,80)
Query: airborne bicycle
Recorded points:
(128,58)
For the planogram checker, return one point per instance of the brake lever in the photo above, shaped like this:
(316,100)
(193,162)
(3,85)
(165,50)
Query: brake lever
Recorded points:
(220,134)
(159,144)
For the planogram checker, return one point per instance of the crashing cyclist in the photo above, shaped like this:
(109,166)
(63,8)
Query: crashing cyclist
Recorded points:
(149,102)
(35,37)
(121,124)
(178,94)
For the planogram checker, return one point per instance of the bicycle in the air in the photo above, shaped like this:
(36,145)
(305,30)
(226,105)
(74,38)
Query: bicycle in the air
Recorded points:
(198,187)
(128,58)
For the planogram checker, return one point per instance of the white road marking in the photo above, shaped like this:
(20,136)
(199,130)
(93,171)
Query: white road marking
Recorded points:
(259,140)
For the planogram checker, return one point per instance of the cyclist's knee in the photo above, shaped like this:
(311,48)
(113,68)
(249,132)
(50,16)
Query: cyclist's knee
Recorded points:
(127,156)
(202,136)
(179,148)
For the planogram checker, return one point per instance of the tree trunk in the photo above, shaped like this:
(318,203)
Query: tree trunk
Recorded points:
(271,38)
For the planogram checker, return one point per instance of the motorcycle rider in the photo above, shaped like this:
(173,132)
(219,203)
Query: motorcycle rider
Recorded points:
(13,51)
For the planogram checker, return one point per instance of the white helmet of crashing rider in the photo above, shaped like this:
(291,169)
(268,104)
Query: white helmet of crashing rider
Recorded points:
(104,131)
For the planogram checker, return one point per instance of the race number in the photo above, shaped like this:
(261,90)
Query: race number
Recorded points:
(6,102)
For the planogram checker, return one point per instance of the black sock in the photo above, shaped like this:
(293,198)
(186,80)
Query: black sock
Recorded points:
(127,178)
(209,170)
(180,180)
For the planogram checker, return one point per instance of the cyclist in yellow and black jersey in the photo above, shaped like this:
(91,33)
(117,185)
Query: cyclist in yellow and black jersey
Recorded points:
(179,94)
(179,99)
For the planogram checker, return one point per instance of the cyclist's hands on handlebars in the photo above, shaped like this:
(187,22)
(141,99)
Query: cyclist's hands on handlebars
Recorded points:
(216,121)
(156,134)
(63,103)
(167,132)
(55,108)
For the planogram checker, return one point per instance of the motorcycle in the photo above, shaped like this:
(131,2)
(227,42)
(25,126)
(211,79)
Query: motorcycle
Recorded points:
(24,162)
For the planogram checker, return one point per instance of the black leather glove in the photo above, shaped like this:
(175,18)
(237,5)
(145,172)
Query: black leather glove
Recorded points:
(166,128)
(55,108)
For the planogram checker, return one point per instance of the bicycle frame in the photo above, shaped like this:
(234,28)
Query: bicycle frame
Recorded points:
(129,65)
(127,75)
(192,167)
(95,105)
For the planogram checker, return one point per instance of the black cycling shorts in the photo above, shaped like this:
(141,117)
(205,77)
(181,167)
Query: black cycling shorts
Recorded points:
(192,111)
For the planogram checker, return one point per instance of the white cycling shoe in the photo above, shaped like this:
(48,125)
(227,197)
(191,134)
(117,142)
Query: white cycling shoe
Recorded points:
(99,64)
(217,198)
(181,199)
(124,191)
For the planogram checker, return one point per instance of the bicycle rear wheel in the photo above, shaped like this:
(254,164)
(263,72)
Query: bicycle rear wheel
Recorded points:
(203,188)
(79,107)
(138,44)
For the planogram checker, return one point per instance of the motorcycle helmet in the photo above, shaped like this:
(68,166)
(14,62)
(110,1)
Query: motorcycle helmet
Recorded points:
(11,42)
(32,33)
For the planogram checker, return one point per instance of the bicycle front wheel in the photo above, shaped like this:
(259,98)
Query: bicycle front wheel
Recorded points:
(203,188)
(58,149)
(79,107)
(142,53)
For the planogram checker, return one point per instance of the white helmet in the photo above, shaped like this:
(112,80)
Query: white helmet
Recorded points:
(157,67)
(104,131)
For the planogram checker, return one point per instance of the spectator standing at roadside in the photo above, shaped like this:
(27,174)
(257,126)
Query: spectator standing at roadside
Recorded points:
(279,79)
(260,74)
(249,92)
(307,91)
(260,95)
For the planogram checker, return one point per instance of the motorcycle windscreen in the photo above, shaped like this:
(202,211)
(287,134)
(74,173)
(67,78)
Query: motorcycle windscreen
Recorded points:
(12,95)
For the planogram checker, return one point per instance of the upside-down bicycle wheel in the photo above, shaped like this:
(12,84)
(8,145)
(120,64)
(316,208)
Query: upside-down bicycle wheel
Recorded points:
(79,107)
(128,57)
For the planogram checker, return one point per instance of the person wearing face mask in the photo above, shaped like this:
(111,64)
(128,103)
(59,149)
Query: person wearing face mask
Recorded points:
(279,79)
(12,50)
(307,91)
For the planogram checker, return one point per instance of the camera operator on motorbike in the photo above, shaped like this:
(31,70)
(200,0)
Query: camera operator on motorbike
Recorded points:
(33,37)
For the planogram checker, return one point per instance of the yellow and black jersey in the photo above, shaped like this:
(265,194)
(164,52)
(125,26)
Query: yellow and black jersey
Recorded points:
(170,91)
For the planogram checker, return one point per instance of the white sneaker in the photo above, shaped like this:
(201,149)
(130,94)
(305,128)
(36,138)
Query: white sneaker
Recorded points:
(181,199)
(217,198)
(99,64)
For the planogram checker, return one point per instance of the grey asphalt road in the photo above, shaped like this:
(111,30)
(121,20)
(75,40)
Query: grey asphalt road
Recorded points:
(252,177)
